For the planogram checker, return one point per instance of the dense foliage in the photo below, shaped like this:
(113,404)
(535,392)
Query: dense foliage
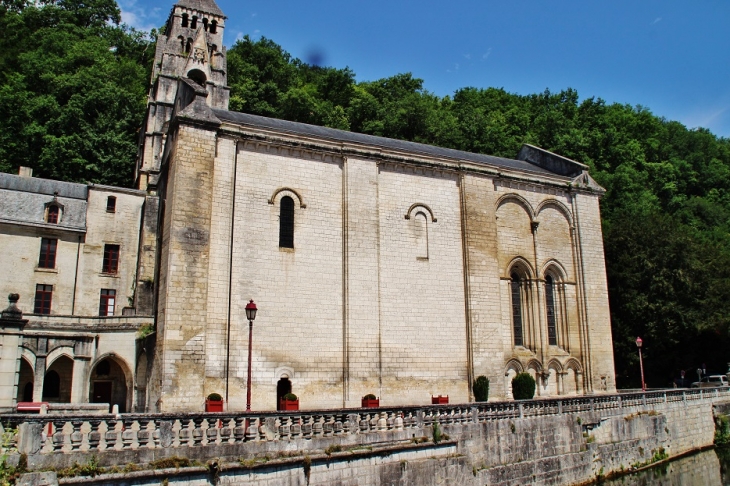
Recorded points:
(73,87)
(481,389)
(72,93)
(523,386)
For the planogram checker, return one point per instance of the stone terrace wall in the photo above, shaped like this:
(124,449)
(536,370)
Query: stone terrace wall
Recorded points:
(569,441)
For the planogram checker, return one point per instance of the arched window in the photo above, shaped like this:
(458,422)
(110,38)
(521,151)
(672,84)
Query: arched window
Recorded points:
(184,20)
(213,27)
(551,316)
(188,45)
(286,222)
(421,233)
(516,287)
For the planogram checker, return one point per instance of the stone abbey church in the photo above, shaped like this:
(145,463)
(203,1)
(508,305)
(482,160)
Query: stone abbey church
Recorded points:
(378,266)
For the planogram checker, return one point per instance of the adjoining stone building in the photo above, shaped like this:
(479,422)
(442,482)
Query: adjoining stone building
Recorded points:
(379,266)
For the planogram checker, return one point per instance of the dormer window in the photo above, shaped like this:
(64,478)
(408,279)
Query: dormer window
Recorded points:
(53,215)
(111,204)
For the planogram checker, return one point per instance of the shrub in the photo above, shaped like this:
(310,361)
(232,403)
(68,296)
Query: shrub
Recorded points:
(523,386)
(481,389)
(290,396)
(214,397)
(369,396)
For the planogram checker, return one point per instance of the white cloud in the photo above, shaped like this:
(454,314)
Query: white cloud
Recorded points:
(486,54)
(139,17)
(656,21)
(467,56)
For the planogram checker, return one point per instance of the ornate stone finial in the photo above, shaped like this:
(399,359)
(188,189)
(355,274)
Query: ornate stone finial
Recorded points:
(12,312)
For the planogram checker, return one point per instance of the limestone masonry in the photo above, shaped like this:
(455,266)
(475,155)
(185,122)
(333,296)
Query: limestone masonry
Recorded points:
(378,266)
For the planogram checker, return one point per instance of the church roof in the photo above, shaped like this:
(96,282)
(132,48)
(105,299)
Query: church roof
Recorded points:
(386,143)
(207,6)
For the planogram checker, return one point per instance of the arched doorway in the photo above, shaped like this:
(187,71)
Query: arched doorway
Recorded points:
(25,382)
(58,380)
(282,388)
(108,384)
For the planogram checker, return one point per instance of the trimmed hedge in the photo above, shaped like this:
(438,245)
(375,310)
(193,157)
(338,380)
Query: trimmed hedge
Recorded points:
(481,388)
(523,386)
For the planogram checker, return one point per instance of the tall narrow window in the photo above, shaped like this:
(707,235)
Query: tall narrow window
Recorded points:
(421,233)
(550,303)
(111,259)
(184,20)
(47,258)
(111,204)
(53,213)
(194,22)
(43,297)
(517,308)
(205,24)
(286,222)
(106,302)
(213,27)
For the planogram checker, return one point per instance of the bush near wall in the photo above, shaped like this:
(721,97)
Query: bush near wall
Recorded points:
(523,386)
(481,388)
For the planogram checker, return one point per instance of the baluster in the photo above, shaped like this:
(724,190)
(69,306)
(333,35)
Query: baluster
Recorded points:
(285,428)
(398,422)
(59,437)
(144,435)
(307,427)
(176,433)
(364,423)
(129,436)
(239,429)
(252,431)
(113,435)
(76,435)
(390,420)
(197,431)
(338,423)
(210,428)
(95,435)
(225,429)
(318,426)
(328,425)
(295,430)
(185,434)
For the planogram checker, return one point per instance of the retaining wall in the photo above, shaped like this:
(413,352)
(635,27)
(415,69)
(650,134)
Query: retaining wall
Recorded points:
(543,442)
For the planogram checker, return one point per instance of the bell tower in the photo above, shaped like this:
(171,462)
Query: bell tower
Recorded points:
(191,47)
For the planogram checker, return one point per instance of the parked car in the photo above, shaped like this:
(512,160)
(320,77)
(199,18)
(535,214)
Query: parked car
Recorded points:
(711,381)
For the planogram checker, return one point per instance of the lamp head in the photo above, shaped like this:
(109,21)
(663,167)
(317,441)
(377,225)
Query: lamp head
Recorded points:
(251,310)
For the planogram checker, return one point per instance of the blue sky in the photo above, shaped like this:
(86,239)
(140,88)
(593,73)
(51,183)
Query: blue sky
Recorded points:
(670,56)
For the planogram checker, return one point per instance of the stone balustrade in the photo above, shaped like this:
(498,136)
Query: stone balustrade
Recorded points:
(64,434)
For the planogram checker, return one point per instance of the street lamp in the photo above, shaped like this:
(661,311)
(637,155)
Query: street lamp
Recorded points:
(250,315)
(639,342)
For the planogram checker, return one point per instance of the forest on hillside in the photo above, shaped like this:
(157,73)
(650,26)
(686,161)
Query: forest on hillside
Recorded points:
(73,88)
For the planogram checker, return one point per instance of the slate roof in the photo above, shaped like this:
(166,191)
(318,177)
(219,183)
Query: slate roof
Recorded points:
(335,135)
(208,6)
(48,187)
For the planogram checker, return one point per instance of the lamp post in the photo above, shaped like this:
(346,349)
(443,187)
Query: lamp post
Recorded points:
(250,315)
(639,342)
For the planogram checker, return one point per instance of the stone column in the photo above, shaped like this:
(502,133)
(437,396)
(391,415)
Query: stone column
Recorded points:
(11,334)
(79,381)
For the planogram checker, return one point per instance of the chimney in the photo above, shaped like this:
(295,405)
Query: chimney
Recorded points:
(25,172)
